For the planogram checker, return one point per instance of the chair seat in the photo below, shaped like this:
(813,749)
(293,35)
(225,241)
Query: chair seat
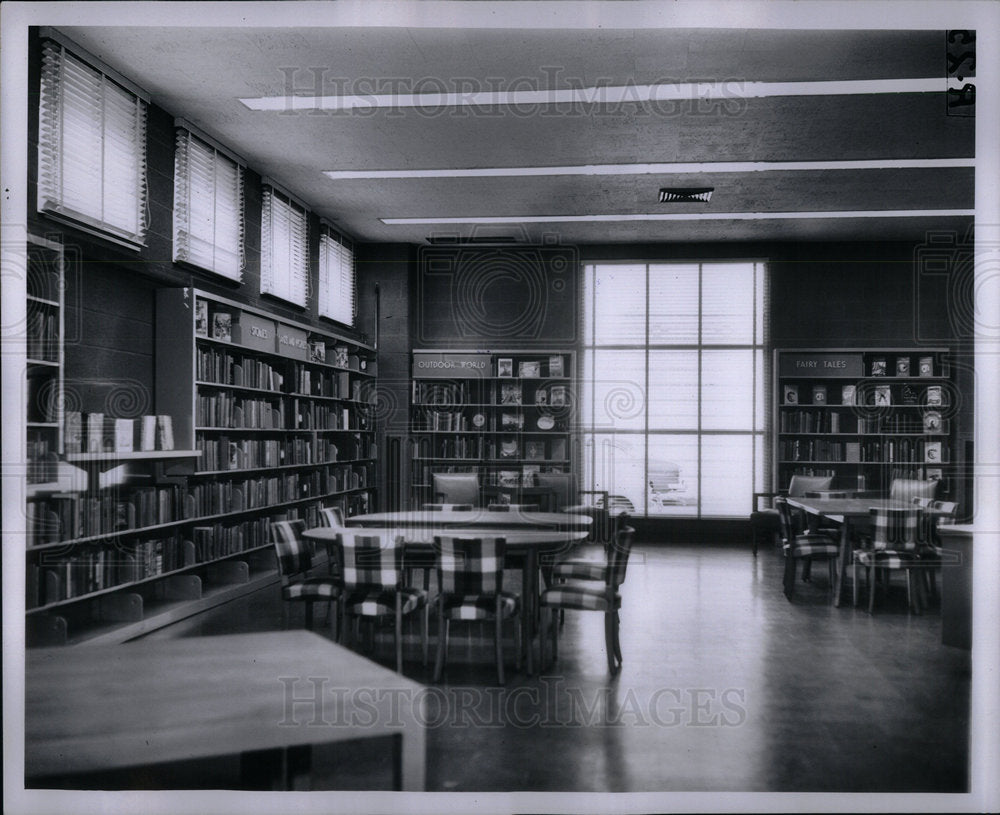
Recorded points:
(766,519)
(814,545)
(887,558)
(581,570)
(587,598)
(310,588)
(478,606)
(377,603)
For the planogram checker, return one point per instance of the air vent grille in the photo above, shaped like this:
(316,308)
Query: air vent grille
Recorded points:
(686,194)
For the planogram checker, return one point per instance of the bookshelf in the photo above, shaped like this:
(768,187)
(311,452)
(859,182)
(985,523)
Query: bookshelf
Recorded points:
(270,419)
(505,415)
(43,392)
(865,416)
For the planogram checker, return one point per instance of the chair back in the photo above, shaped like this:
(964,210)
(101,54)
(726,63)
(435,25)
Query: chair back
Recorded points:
(294,555)
(561,488)
(447,507)
(906,489)
(470,566)
(801,484)
(618,556)
(332,517)
(784,519)
(620,503)
(456,488)
(895,529)
(370,562)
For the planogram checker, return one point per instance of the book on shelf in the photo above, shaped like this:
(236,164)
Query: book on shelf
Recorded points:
(509,478)
(509,448)
(222,326)
(528,473)
(819,394)
(908,395)
(119,435)
(201,317)
(541,397)
(510,393)
(878,366)
(791,395)
(934,452)
(73,432)
(559,449)
(317,351)
(933,474)
(933,422)
(556,365)
(852,452)
(95,433)
(147,433)
(534,450)
(529,369)
(505,366)
(848,394)
(925,366)
(164,432)
(511,421)
(902,366)
(341,356)
(557,396)
(883,395)
(934,395)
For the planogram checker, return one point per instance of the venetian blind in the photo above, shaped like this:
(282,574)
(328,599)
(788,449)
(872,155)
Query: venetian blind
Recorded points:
(91,146)
(336,277)
(284,243)
(208,207)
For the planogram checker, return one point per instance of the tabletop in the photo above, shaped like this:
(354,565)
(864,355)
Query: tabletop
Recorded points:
(105,707)
(515,538)
(471,518)
(848,507)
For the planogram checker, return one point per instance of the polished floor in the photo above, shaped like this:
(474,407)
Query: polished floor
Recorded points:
(726,686)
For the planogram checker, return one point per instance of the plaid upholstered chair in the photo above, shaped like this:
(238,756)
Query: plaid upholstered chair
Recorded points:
(930,551)
(895,546)
(586,568)
(371,567)
(803,546)
(332,517)
(470,581)
(592,596)
(294,563)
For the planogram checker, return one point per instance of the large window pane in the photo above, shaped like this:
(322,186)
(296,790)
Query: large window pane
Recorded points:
(618,390)
(673,390)
(727,397)
(673,303)
(619,304)
(727,303)
(726,475)
(616,463)
(673,474)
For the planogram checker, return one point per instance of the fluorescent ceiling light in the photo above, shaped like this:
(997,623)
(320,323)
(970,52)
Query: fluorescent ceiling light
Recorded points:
(676,216)
(679,168)
(595,95)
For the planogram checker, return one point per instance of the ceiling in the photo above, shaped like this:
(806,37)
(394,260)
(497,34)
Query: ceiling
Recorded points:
(787,162)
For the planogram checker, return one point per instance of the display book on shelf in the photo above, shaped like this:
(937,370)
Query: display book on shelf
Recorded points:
(864,416)
(272,420)
(505,415)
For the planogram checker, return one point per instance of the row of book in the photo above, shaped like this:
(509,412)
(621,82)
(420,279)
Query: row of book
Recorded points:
(42,331)
(99,433)
(333,384)
(819,450)
(868,394)
(481,448)
(930,422)
(42,461)
(225,368)
(227,410)
(444,393)
(249,454)
(309,415)
(816,421)
(881,451)
(71,516)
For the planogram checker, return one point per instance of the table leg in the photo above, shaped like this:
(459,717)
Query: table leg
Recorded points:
(845,549)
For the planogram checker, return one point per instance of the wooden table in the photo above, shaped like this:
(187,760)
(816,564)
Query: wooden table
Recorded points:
(96,708)
(527,543)
(472,518)
(846,512)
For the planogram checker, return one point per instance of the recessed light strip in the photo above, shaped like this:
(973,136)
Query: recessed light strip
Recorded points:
(679,168)
(596,95)
(694,216)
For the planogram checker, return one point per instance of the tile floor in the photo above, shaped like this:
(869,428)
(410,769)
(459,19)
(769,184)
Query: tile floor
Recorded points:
(726,686)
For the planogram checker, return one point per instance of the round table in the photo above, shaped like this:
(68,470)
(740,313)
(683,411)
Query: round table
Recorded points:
(511,519)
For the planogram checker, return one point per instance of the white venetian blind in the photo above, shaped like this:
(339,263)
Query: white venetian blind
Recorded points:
(208,207)
(91,146)
(284,245)
(336,277)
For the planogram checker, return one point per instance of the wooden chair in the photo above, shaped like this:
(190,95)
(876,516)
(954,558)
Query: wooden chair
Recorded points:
(456,488)
(764,521)
(372,575)
(803,546)
(895,546)
(906,489)
(294,564)
(470,584)
(592,596)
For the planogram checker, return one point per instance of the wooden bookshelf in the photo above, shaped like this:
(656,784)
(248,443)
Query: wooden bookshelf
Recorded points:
(263,430)
(865,416)
(504,415)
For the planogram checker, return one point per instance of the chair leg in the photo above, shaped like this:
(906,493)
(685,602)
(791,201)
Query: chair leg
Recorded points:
(871,589)
(309,614)
(618,643)
(424,633)
(498,636)
(854,581)
(543,633)
(331,612)
(442,647)
(399,634)
(831,564)
(789,578)
(753,540)
(609,640)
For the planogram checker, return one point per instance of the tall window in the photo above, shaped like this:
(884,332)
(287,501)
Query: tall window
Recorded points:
(336,277)
(284,245)
(91,145)
(208,206)
(673,385)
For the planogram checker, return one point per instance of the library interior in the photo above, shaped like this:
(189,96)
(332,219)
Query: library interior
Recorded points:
(358,362)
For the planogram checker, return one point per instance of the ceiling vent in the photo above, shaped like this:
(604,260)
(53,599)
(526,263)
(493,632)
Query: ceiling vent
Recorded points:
(685,195)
